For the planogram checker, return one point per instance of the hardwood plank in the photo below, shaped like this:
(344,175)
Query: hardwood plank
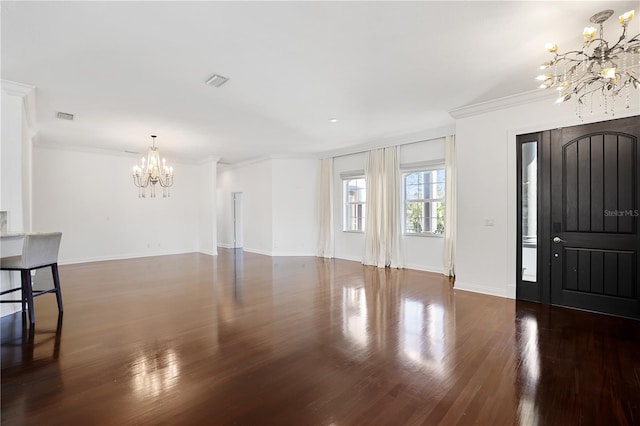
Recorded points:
(248,339)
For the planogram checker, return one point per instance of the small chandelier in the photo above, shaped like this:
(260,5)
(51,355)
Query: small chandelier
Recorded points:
(601,69)
(150,172)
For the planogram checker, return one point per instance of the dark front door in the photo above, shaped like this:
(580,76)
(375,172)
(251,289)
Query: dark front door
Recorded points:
(594,218)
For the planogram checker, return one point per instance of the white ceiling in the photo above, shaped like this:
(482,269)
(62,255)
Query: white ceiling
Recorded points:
(383,69)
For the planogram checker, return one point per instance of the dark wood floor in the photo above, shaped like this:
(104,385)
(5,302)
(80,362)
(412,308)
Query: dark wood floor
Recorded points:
(252,340)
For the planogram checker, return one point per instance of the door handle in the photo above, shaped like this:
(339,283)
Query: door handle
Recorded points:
(558,240)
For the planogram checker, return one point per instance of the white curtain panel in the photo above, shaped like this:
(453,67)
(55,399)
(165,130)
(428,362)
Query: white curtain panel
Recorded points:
(393,199)
(450,206)
(373,165)
(325,209)
(382,217)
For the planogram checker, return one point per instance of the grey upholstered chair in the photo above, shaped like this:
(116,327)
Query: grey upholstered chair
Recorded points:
(39,250)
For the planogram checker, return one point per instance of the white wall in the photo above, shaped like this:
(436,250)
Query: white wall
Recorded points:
(419,252)
(12,159)
(207,208)
(254,181)
(295,206)
(279,201)
(91,198)
(11,196)
(486,184)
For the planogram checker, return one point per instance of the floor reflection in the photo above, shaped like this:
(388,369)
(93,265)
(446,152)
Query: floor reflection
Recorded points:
(379,315)
(354,314)
(244,298)
(529,371)
(155,372)
(238,274)
(29,351)
(22,343)
(422,335)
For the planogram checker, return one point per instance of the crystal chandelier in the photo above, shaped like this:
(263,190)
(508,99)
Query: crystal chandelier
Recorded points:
(601,69)
(151,171)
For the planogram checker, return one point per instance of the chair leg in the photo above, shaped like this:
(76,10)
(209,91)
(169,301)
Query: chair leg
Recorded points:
(28,289)
(23,292)
(56,284)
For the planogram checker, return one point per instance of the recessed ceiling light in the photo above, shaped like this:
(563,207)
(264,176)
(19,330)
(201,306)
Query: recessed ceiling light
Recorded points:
(216,80)
(333,120)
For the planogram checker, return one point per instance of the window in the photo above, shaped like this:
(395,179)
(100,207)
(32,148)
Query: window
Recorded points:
(424,202)
(355,197)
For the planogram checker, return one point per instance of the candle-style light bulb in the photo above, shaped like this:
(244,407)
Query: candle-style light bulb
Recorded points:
(589,33)
(626,17)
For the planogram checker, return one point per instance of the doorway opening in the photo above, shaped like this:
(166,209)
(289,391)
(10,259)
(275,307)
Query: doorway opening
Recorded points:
(238,232)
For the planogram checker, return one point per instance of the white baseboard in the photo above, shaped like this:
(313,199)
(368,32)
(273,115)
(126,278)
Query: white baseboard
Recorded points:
(425,268)
(352,258)
(271,253)
(293,254)
(122,256)
(492,291)
(257,251)
(209,252)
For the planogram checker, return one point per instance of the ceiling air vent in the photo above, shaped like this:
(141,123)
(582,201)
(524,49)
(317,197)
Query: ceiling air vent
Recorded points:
(65,116)
(216,80)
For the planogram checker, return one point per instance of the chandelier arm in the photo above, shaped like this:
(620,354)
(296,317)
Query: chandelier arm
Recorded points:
(570,60)
(601,40)
(167,182)
(588,93)
(622,37)
(634,80)
(145,181)
(582,85)
(139,182)
(565,56)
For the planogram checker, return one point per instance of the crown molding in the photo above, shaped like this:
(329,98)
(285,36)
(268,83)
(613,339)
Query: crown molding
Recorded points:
(502,103)
(209,159)
(15,89)
(29,108)
(404,139)
(231,166)
(293,156)
(245,163)
(103,151)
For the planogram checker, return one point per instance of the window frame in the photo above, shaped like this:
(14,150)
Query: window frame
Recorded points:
(346,202)
(420,169)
